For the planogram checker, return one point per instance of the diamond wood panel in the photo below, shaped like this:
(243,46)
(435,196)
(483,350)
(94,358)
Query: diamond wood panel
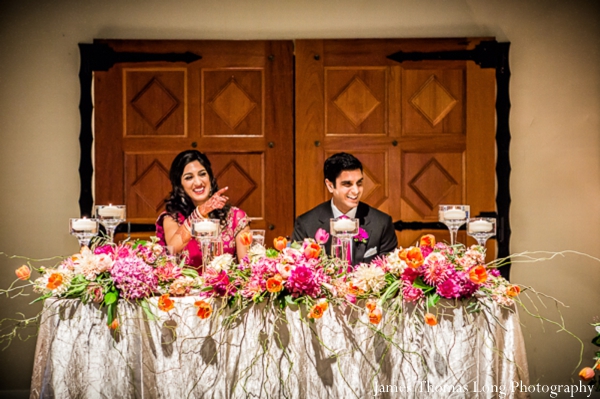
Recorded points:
(233,102)
(154,102)
(355,100)
(429,180)
(147,183)
(244,174)
(433,101)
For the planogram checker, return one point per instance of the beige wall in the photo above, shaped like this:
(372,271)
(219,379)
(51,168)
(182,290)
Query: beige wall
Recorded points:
(555,151)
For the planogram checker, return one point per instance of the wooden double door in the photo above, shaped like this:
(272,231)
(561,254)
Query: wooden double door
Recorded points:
(268,113)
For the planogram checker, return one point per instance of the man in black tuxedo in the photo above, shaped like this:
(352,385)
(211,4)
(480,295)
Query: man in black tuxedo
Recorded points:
(344,179)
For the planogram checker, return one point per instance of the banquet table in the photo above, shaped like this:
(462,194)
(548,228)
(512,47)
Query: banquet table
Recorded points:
(271,353)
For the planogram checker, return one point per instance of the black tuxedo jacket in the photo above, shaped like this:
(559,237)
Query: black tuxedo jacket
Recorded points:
(377,224)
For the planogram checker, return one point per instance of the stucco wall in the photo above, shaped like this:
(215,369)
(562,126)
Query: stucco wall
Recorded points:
(555,151)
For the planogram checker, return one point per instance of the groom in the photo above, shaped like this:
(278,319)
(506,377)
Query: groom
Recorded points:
(344,179)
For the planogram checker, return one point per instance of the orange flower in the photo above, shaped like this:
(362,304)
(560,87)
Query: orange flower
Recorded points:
(371,304)
(317,311)
(428,240)
(414,257)
(23,272)
(478,275)
(246,238)
(114,325)
(312,250)
(586,374)
(375,316)
(354,290)
(513,290)
(54,281)
(204,309)
(430,319)
(280,243)
(165,303)
(274,284)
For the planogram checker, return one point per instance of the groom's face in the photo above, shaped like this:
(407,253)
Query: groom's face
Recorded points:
(347,190)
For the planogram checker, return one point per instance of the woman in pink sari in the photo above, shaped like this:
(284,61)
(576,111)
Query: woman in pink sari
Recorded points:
(196,195)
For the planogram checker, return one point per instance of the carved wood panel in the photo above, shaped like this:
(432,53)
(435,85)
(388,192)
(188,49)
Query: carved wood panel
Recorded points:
(155,102)
(235,104)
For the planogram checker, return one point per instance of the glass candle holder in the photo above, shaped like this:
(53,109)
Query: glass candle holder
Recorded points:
(206,231)
(453,216)
(110,216)
(344,229)
(481,229)
(84,229)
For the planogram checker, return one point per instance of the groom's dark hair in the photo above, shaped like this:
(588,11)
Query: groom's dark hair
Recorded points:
(337,163)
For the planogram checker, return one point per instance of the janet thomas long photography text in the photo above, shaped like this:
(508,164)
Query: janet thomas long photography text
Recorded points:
(553,391)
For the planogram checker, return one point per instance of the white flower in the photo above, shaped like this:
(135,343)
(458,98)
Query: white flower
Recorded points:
(395,264)
(369,278)
(40,285)
(285,269)
(256,252)
(221,262)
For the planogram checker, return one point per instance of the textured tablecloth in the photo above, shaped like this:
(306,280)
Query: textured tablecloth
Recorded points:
(272,354)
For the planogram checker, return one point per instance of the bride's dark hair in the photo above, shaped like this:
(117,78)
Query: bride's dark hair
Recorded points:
(179,201)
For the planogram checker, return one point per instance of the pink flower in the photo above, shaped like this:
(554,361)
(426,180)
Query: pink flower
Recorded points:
(410,293)
(134,277)
(436,269)
(362,236)
(426,251)
(449,289)
(321,236)
(167,272)
(104,249)
(304,281)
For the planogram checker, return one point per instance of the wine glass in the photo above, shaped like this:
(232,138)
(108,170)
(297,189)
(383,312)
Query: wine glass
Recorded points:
(453,216)
(344,229)
(481,229)
(110,216)
(206,231)
(84,229)
(258,237)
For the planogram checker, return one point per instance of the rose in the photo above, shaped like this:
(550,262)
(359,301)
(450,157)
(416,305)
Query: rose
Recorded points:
(586,374)
(165,303)
(375,316)
(317,311)
(478,275)
(312,250)
(322,236)
(430,319)
(280,243)
(245,238)
(513,290)
(412,256)
(428,240)
(54,281)
(274,284)
(204,309)
(23,272)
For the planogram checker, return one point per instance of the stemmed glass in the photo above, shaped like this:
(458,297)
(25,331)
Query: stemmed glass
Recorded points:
(481,229)
(344,229)
(110,216)
(206,231)
(84,229)
(258,237)
(453,216)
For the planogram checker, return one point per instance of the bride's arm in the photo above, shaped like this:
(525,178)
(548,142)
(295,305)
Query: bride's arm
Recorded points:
(240,249)
(176,236)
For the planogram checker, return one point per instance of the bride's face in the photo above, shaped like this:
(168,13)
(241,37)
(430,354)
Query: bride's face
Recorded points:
(196,182)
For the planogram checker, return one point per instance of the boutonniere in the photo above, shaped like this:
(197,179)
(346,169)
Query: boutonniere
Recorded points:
(362,236)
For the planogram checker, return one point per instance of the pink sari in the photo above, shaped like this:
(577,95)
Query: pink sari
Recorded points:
(237,220)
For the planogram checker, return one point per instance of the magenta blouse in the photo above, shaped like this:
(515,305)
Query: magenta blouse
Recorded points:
(237,220)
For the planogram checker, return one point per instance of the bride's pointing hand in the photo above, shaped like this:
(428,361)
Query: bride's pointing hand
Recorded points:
(216,201)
